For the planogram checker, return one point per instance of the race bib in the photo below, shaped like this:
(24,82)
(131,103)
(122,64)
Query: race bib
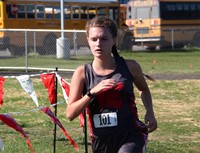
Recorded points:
(105,120)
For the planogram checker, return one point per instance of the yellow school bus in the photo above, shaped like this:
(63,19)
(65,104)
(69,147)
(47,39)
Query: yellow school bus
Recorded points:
(164,23)
(46,14)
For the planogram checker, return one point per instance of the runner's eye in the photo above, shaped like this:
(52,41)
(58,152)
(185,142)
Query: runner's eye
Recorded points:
(104,39)
(93,39)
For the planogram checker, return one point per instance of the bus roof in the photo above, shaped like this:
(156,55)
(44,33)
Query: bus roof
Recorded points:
(84,1)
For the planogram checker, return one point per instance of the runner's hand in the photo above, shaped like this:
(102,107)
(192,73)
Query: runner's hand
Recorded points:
(151,122)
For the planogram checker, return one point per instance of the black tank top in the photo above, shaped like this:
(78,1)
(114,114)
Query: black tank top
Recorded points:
(119,99)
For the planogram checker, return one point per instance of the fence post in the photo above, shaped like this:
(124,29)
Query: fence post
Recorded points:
(142,43)
(172,39)
(26,52)
(34,37)
(55,127)
(75,42)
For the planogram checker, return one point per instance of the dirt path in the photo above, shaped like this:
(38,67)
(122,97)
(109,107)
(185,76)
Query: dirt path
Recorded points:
(68,75)
(176,76)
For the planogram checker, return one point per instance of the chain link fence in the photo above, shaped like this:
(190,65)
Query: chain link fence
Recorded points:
(167,38)
(21,42)
(38,48)
(35,48)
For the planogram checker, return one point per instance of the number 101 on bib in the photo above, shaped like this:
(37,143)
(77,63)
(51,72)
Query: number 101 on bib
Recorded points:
(105,120)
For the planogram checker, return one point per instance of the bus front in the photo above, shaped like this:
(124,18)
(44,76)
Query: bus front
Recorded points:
(143,18)
(3,39)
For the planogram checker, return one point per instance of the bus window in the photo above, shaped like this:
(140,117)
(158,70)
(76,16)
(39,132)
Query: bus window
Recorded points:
(40,11)
(30,11)
(21,10)
(91,12)
(186,7)
(67,11)
(113,14)
(101,11)
(83,11)
(75,12)
(46,14)
(179,10)
(133,12)
(49,12)
(167,11)
(9,11)
(198,11)
(185,10)
(155,12)
(193,10)
(143,13)
(56,12)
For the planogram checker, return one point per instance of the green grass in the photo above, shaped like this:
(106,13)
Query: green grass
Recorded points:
(167,61)
(46,62)
(183,61)
(176,104)
(177,109)
(177,114)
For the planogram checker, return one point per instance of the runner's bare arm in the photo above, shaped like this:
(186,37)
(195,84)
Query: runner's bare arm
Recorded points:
(142,86)
(77,102)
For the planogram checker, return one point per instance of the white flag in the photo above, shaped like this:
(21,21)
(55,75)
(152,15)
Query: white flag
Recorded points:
(65,87)
(27,85)
(1,145)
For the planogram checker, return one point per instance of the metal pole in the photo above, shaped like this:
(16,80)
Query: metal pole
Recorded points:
(26,52)
(142,41)
(172,39)
(62,44)
(85,132)
(34,37)
(62,18)
(75,42)
(55,127)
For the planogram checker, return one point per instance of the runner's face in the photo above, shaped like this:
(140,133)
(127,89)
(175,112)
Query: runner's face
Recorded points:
(100,41)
